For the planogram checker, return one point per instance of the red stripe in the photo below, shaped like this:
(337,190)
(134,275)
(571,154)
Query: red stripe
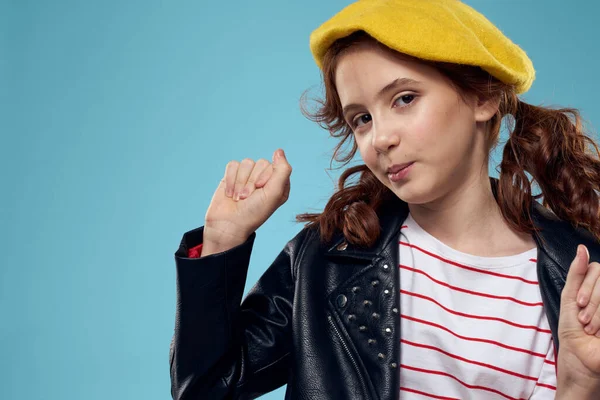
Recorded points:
(546,386)
(404,226)
(422,321)
(471,291)
(475,316)
(428,371)
(549,362)
(469,361)
(433,396)
(533,260)
(481,271)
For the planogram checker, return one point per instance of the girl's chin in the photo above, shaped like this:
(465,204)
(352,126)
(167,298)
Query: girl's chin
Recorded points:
(411,195)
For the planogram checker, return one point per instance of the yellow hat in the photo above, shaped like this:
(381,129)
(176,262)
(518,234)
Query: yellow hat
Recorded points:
(436,30)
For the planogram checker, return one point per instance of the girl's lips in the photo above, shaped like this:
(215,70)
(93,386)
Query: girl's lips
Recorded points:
(401,174)
(397,167)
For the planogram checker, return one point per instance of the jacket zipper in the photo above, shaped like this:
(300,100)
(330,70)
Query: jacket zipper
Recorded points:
(345,346)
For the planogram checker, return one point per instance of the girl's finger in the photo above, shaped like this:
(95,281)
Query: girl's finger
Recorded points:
(264,176)
(230,174)
(575,277)
(585,291)
(586,316)
(242,176)
(259,167)
(593,328)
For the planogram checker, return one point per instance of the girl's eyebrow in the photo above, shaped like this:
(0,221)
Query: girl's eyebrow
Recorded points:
(395,83)
(383,91)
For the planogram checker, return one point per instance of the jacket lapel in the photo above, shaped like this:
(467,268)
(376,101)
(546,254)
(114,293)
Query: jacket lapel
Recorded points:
(366,304)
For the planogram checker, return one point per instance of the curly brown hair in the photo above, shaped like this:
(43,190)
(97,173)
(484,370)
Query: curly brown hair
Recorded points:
(549,145)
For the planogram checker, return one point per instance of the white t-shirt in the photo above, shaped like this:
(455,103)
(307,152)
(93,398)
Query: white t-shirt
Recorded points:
(472,327)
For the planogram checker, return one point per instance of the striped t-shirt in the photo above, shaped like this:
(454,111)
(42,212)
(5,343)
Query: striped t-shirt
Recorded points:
(472,327)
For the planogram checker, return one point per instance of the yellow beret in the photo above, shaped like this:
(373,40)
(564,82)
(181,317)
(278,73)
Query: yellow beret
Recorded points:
(436,30)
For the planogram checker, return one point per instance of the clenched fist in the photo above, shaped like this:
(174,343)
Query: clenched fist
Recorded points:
(247,196)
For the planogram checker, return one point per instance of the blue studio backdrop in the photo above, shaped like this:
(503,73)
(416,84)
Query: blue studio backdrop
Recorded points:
(117,120)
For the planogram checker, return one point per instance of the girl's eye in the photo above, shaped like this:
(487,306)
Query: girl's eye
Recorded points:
(407,98)
(361,119)
(364,119)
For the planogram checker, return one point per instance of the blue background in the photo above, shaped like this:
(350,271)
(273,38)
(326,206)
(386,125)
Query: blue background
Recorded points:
(117,120)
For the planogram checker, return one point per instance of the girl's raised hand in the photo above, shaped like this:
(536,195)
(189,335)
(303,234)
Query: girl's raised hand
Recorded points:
(247,196)
(578,363)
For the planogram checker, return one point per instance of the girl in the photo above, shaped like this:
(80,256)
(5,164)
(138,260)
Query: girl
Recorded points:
(424,277)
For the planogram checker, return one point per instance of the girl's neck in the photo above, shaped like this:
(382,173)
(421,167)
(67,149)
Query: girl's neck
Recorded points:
(469,220)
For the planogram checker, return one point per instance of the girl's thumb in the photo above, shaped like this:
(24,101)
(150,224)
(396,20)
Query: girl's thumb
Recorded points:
(279,156)
(281,167)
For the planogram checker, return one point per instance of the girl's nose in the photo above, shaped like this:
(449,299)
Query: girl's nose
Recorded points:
(385,136)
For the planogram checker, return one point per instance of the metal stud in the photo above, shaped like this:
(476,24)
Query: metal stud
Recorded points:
(386,267)
(342,246)
(351,317)
(375,315)
(342,301)
(381,356)
(367,303)
(355,289)
(371,342)
(362,328)
(386,291)
(388,330)
(375,282)
(393,365)
(395,310)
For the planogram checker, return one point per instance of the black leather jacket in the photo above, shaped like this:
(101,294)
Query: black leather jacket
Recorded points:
(322,319)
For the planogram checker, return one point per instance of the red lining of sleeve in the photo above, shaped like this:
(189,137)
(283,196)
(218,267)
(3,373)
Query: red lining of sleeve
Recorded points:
(195,251)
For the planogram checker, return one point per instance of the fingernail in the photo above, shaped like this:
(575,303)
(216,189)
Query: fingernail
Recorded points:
(583,317)
(598,334)
(229,192)
(236,196)
(587,252)
(581,300)
(244,194)
(279,154)
(582,250)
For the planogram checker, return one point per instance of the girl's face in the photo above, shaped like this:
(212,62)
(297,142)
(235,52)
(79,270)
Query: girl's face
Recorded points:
(402,112)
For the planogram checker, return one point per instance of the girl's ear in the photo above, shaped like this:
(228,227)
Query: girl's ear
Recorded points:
(486,108)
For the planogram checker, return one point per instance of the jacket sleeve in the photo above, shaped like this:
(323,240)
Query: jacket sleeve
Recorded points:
(222,349)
